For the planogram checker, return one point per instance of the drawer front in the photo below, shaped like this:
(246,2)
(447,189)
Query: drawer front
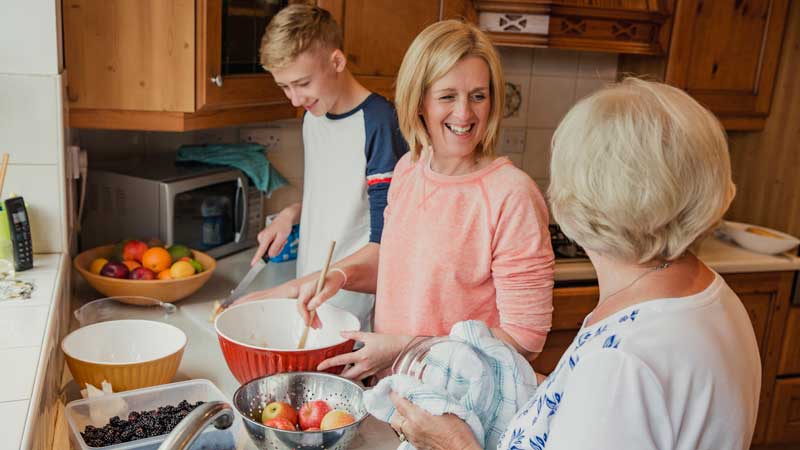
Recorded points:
(784,420)
(790,354)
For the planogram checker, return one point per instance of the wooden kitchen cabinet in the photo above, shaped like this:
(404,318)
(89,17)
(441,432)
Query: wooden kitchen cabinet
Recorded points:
(790,354)
(377,33)
(167,65)
(618,26)
(764,295)
(784,425)
(725,54)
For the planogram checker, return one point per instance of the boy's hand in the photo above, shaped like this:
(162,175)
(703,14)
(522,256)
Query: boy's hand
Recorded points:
(272,239)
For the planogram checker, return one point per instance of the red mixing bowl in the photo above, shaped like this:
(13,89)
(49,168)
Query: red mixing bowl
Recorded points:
(260,338)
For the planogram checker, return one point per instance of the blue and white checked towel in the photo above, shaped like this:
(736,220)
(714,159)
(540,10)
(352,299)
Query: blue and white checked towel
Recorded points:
(484,383)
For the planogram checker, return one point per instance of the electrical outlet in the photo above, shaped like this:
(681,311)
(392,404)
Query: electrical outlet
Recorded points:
(512,140)
(268,137)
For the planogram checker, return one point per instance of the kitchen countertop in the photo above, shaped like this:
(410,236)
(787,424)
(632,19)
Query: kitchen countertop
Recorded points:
(28,334)
(720,255)
(203,357)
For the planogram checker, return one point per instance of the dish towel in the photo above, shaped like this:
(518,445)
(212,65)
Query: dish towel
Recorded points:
(249,158)
(484,383)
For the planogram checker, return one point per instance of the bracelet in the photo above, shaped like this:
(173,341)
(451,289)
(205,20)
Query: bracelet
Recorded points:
(336,269)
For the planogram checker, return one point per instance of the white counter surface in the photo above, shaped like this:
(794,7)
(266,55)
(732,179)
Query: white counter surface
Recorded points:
(722,256)
(27,338)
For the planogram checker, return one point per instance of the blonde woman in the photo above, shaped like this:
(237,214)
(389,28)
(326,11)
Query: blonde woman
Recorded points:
(465,234)
(668,359)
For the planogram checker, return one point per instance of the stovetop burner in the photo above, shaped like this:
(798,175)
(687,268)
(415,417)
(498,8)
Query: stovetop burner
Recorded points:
(563,247)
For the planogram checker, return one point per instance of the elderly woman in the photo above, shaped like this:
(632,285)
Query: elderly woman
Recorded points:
(465,234)
(668,358)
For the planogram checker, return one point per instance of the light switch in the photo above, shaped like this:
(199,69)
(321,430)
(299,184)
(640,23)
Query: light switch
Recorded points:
(512,140)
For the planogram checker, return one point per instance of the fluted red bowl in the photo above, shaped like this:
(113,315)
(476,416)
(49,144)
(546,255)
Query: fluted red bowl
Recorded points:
(260,338)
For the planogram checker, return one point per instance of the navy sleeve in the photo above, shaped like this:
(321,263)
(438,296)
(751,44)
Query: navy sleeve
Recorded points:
(384,147)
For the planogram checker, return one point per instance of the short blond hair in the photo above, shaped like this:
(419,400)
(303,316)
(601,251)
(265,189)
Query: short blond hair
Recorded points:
(433,53)
(294,30)
(639,172)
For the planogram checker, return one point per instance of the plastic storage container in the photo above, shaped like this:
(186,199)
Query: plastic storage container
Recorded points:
(99,410)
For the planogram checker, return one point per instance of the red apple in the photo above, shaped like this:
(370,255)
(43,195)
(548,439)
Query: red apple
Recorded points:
(133,250)
(281,410)
(311,414)
(336,419)
(280,423)
(142,273)
(114,270)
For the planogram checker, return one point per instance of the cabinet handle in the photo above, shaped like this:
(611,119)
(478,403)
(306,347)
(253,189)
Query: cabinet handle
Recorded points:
(217,80)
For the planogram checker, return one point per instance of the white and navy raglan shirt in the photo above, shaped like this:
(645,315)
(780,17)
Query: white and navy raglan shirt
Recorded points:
(349,162)
(667,374)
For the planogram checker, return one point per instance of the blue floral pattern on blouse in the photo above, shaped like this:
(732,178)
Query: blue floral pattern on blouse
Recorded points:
(530,429)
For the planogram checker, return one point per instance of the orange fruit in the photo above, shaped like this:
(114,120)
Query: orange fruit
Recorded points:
(181,269)
(156,259)
(164,275)
(97,265)
(131,264)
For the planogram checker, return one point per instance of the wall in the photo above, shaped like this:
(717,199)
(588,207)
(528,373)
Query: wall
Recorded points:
(546,83)
(766,164)
(32,116)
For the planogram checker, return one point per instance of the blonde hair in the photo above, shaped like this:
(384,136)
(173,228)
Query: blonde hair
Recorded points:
(433,53)
(294,30)
(639,172)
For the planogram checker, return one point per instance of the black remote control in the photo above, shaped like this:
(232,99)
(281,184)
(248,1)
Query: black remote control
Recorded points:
(19,228)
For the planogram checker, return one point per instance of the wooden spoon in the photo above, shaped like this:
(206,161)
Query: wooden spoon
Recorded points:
(320,283)
(3,167)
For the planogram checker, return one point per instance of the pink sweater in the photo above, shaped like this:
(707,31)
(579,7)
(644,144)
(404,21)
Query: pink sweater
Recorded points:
(471,247)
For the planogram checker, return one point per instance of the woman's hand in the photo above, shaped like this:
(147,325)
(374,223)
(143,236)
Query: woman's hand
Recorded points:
(428,432)
(307,301)
(378,353)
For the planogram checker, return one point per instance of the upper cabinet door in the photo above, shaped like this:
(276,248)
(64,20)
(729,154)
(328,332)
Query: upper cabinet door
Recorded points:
(130,55)
(725,54)
(377,33)
(229,72)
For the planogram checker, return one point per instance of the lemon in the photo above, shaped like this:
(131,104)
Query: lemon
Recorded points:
(181,269)
(97,265)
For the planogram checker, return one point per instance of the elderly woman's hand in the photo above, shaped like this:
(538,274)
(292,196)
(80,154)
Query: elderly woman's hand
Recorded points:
(378,353)
(428,432)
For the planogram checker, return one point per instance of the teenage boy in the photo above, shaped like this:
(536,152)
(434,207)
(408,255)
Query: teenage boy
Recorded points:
(351,141)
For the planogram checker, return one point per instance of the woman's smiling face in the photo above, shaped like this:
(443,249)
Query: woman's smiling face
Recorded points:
(456,108)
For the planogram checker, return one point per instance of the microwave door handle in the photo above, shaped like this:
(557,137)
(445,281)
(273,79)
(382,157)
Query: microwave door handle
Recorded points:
(241,211)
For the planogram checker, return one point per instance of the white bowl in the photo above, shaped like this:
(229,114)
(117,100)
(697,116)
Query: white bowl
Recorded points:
(275,324)
(129,354)
(773,242)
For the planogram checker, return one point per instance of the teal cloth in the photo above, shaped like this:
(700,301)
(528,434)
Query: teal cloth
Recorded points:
(249,158)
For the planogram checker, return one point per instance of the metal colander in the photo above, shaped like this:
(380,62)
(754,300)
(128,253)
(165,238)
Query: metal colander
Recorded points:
(298,388)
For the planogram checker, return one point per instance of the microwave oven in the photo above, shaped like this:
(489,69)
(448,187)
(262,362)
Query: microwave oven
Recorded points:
(213,209)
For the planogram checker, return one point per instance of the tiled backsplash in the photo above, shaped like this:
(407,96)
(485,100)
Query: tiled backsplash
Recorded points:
(546,83)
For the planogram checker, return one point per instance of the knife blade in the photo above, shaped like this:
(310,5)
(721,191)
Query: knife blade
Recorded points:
(241,288)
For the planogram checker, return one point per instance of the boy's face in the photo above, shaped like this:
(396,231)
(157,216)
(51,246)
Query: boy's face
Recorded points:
(312,79)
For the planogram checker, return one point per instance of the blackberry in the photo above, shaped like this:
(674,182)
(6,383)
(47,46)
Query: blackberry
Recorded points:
(140,425)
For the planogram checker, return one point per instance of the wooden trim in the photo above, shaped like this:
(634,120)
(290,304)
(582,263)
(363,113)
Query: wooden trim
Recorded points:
(604,45)
(512,6)
(176,121)
(518,39)
(790,353)
(743,123)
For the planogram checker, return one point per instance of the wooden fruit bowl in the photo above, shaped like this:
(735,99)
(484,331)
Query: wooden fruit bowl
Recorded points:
(164,290)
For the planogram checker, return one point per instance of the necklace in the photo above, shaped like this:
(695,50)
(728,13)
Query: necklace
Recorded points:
(661,266)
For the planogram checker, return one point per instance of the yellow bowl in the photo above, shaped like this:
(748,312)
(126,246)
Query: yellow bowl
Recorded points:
(129,354)
(164,290)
